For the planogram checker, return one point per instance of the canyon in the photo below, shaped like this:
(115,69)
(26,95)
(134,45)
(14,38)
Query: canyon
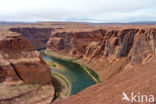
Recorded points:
(107,51)
(122,55)
(124,58)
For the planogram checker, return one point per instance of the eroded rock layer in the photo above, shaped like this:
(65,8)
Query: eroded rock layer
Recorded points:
(108,52)
(140,81)
(73,44)
(123,57)
(38,37)
(24,77)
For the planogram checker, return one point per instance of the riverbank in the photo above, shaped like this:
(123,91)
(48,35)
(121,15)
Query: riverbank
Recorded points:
(92,73)
(62,85)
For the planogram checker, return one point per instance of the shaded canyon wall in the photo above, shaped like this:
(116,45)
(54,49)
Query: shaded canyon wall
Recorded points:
(38,37)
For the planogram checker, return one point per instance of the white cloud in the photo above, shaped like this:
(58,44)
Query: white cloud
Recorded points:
(78,10)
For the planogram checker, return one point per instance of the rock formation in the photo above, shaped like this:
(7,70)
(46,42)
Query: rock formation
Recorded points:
(38,37)
(124,57)
(108,52)
(140,80)
(73,44)
(24,77)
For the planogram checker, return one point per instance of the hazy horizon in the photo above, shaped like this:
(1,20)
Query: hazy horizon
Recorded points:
(96,11)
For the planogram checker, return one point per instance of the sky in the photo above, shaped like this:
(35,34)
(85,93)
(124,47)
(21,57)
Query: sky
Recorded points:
(78,10)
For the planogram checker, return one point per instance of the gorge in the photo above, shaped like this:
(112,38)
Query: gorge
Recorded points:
(122,56)
(73,74)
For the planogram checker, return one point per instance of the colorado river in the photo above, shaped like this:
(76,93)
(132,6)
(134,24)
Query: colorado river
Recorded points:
(75,74)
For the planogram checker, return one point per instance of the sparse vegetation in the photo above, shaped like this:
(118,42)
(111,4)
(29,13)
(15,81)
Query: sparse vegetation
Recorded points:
(62,85)
(50,63)
(92,73)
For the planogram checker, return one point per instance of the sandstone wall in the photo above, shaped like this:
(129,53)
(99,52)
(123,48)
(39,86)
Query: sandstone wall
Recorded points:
(38,37)
(24,77)
(108,52)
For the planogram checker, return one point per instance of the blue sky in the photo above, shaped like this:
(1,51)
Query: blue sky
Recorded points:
(78,10)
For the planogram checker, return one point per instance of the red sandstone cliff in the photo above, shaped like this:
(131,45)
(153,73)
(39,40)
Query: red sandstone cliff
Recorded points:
(123,57)
(112,53)
(73,44)
(24,77)
(107,51)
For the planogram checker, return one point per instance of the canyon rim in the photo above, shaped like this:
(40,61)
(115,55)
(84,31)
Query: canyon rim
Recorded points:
(77,52)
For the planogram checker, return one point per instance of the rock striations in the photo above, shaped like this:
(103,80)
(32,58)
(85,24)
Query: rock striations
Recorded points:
(73,44)
(24,77)
(123,57)
(107,51)
(140,81)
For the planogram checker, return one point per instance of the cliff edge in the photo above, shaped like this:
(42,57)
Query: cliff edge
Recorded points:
(108,52)
(123,57)
(140,81)
(24,77)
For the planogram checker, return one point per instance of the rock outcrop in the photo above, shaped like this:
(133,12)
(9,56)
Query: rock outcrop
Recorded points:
(24,77)
(108,52)
(73,44)
(140,81)
(123,57)
(38,37)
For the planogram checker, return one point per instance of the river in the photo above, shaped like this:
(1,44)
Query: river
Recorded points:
(75,74)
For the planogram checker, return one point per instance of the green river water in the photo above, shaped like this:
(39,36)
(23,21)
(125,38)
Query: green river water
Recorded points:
(75,74)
